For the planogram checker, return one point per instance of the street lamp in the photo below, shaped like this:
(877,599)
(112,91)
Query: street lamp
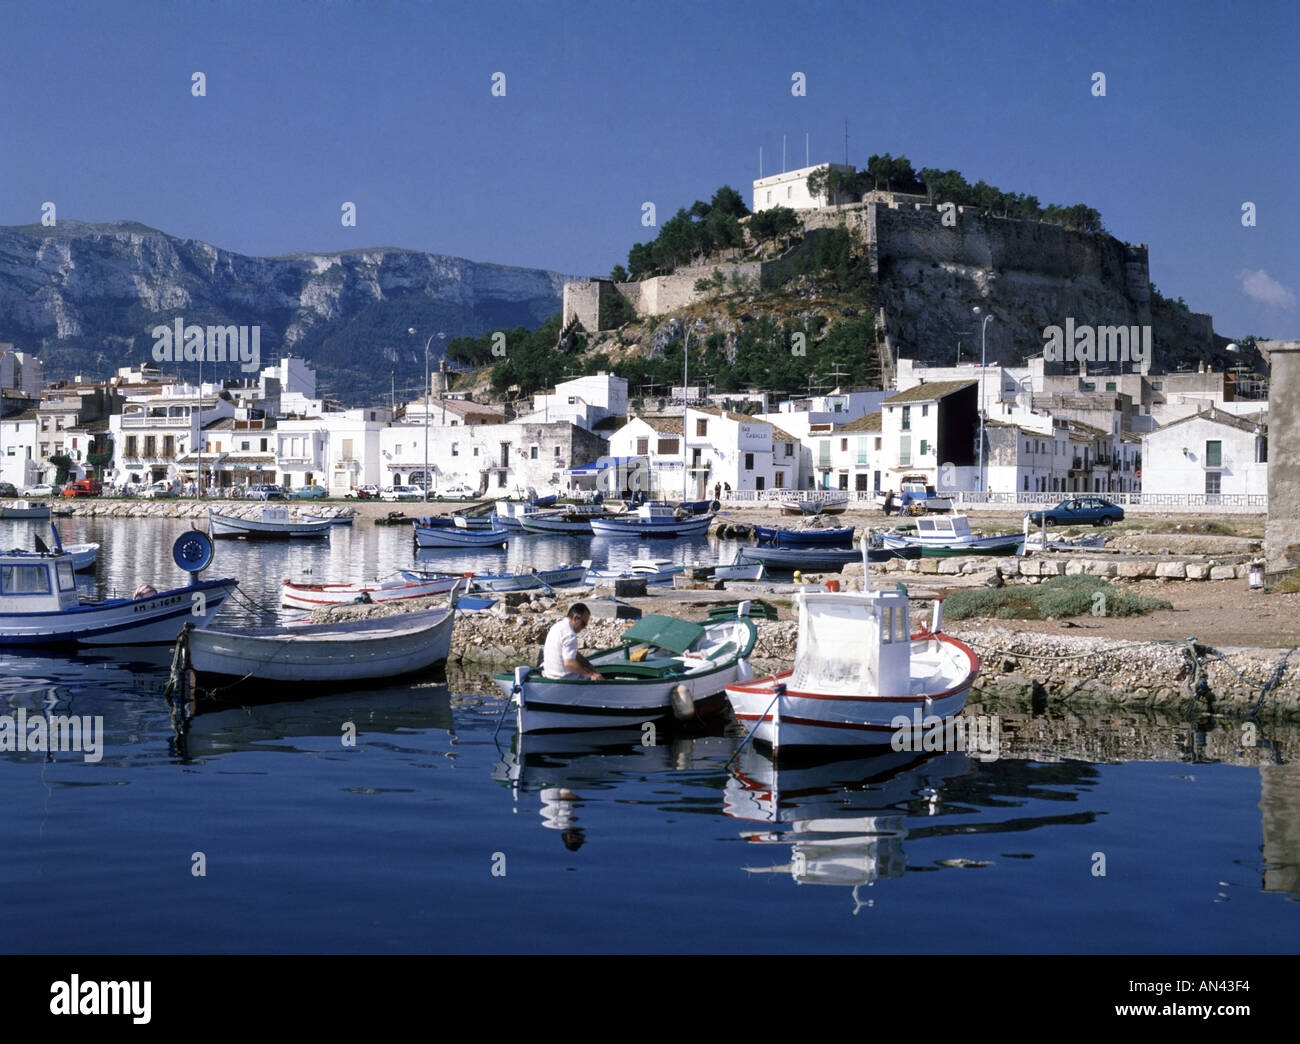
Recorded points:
(983,346)
(425,484)
(686,363)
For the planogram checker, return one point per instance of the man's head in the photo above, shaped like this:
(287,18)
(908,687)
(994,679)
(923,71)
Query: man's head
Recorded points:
(579,614)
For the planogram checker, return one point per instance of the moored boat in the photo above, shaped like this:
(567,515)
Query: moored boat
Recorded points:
(651,570)
(654,520)
(395,587)
(810,536)
(860,678)
(819,504)
(664,669)
(527,580)
(458,535)
(271,523)
(944,536)
(83,555)
(32,510)
(825,558)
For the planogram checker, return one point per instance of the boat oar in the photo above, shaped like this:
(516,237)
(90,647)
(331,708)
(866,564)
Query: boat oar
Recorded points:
(780,691)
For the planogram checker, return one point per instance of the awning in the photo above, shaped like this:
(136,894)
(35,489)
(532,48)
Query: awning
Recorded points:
(604,464)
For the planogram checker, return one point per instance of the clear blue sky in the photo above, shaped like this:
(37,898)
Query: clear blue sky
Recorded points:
(608,104)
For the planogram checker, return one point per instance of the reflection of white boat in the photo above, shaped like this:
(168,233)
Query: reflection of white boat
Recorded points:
(272,523)
(39,605)
(356,652)
(395,587)
(28,509)
(856,672)
(664,667)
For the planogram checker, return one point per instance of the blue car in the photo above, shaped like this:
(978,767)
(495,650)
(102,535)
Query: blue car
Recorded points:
(1079,511)
(308,493)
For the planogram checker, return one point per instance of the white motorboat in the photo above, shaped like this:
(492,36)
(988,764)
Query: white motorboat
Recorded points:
(32,510)
(319,656)
(271,523)
(651,570)
(944,536)
(664,669)
(458,535)
(83,555)
(39,605)
(654,520)
(527,580)
(859,677)
(396,587)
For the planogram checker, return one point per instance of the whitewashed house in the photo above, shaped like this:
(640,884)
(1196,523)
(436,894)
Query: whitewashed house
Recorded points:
(1212,453)
(584,401)
(155,433)
(932,429)
(19,463)
(847,457)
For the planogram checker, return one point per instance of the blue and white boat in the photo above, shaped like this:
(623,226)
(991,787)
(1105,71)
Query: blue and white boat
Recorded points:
(838,537)
(459,535)
(39,604)
(654,520)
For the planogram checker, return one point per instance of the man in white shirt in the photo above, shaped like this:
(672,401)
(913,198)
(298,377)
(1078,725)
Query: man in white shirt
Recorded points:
(561,658)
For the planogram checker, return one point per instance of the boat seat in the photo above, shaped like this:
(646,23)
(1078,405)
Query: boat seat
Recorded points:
(648,668)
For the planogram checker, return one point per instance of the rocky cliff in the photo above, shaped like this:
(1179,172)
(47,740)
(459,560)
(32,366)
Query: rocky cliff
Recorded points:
(86,296)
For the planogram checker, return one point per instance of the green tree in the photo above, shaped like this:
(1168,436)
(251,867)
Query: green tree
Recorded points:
(63,463)
(618,274)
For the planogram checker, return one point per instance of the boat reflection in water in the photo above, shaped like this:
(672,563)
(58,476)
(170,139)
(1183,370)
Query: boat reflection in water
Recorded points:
(562,767)
(845,820)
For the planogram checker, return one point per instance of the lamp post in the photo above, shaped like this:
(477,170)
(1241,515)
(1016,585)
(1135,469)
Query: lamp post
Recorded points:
(686,363)
(983,346)
(425,484)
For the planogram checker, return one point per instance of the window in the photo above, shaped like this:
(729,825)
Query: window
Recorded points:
(780,480)
(1212,483)
(905,450)
(58,423)
(1157,385)
(1110,385)
(879,442)
(1261,449)
(557,451)
(1026,485)
(924,448)
(759,483)
(532,452)
(844,481)
(347,449)
(45,424)
(907,418)
(844,445)
(1214,455)
(642,447)
(169,446)
(749,462)
(244,444)
(701,427)
(150,446)
(67,579)
(1089,385)
(789,449)
(860,483)
(45,449)
(263,445)
(455,449)
(925,410)
(667,446)
(24,580)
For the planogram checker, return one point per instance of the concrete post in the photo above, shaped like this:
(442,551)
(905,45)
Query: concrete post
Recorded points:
(1282,531)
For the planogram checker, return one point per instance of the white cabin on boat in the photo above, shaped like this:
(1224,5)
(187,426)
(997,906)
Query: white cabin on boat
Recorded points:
(851,644)
(36,583)
(945,530)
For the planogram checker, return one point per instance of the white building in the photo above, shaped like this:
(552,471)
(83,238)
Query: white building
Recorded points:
(932,429)
(1211,453)
(154,433)
(21,372)
(19,463)
(584,401)
(790,189)
(848,457)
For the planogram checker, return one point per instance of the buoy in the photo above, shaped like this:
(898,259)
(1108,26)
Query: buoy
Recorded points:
(683,705)
(144,591)
(832,585)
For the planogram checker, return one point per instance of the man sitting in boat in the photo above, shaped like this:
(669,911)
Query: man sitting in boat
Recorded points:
(561,659)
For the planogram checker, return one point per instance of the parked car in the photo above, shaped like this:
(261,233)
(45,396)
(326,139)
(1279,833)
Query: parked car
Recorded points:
(1079,511)
(267,491)
(308,493)
(8,489)
(459,491)
(83,488)
(401,493)
(159,490)
(43,489)
(363,493)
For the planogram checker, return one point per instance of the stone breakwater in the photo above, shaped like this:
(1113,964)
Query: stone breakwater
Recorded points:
(1042,669)
(1036,568)
(169,508)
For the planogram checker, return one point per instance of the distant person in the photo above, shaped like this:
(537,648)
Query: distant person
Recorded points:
(717,491)
(889,502)
(904,502)
(726,488)
(560,657)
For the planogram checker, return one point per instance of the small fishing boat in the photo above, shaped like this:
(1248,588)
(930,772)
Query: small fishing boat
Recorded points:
(83,555)
(651,570)
(31,510)
(944,536)
(809,537)
(819,504)
(334,520)
(509,512)
(820,558)
(860,678)
(700,507)
(39,605)
(395,587)
(573,519)
(458,535)
(527,580)
(664,669)
(324,656)
(1039,541)
(739,569)
(654,520)
(271,523)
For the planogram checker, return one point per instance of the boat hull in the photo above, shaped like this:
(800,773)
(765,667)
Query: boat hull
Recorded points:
(820,557)
(25,510)
(358,652)
(503,582)
(694,526)
(812,719)
(454,536)
(995,545)
(232,527)
(316,596)
(154,620)
(804,537)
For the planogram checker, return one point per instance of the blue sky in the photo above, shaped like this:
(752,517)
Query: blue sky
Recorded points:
(388,104)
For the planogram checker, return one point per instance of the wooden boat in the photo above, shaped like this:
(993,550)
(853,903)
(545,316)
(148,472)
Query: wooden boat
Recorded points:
(859,677)
(509,512)
(665,669)
(458,535)
(820,558)
(804,537)
(573,519)
(525,580)
(651,570)
(739,570)
(325,656)
(39,605)
(395,587)
(333,520)
(32,510)
(654,520)
(83,555)
(272,523)
(700,507)
(947,535)
(820,504)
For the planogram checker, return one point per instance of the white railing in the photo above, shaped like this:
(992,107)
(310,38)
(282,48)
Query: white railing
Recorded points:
(1235,503)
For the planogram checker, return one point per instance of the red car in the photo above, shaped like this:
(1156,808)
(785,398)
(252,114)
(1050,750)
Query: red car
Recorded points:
(362,493)
(83,488)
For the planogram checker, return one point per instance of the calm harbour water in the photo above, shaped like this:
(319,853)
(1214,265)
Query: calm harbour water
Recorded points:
(428,836)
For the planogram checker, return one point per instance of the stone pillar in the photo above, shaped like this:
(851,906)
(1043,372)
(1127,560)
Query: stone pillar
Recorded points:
(1282,531)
